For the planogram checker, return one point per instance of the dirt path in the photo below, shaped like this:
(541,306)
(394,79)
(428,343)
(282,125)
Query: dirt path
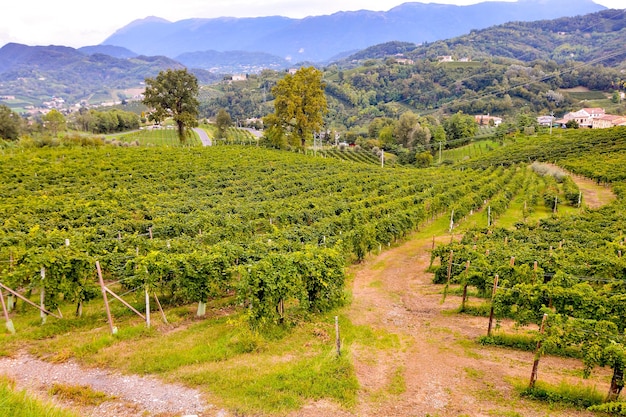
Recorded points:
(445,373)
(594,195)
(130,395)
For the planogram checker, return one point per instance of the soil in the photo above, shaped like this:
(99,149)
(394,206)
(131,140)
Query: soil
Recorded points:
(444,371)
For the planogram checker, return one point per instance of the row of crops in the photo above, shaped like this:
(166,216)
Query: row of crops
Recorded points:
(570,268)
(353,155)
(273,228)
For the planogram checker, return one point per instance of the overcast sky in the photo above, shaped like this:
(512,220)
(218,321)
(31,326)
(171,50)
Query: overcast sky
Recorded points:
(82,22)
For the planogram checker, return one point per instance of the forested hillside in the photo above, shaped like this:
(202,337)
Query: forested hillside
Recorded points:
(593,38)
(387,88)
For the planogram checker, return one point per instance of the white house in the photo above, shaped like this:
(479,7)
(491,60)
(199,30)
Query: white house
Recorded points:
(581,117)
(545,120)
(487,120)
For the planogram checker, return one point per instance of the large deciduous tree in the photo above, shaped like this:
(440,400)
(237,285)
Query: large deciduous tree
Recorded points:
(223,122)
(54,121)
(10,123)
(460,128)
(299,107)
(173,93)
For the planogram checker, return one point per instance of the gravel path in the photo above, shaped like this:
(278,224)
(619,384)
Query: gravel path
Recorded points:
(134,395)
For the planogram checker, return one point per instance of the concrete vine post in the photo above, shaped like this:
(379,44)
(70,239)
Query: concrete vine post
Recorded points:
(42,296)
(337,336)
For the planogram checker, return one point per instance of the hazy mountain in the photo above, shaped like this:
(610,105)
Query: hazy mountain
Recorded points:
(597,37)
(232,61)
(318,38)
(110,50)
(15,55)
(36,72)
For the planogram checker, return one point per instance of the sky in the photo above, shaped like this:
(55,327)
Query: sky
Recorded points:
(79,23)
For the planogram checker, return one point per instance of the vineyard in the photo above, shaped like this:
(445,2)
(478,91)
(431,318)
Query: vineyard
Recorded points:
(566,273)
(353,155)
(195,223)
(264,237)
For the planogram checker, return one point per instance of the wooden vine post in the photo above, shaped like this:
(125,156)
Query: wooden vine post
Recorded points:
(533,374)
(160,309)
(106,300)
(464,299)
(449,275)
(9,322)
(493,295)
(10,297)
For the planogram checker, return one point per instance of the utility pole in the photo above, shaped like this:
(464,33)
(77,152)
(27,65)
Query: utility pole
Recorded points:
(439,153)
(551,121)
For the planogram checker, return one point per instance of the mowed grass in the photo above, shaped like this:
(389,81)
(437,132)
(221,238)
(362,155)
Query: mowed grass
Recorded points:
(16,403)
(469,151)
(158,137)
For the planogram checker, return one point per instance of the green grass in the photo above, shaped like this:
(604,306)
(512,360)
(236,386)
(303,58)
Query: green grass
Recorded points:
(578,396)
(83,395)
(587,95)
(469,151)
(157,137)
(269,370)
(19,404)
(526,342)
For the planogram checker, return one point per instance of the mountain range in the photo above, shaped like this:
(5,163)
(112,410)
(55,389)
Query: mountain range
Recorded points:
(323,38)
(103,72)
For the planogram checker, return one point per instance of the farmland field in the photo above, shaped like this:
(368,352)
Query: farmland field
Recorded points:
(247,249)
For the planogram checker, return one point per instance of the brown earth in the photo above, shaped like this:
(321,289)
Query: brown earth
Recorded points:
(444,371)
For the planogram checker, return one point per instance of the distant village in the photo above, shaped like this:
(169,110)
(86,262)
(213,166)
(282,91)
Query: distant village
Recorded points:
(589,117)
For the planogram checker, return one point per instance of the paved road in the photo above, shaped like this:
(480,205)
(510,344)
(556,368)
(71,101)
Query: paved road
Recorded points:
(206,140)
(255,132)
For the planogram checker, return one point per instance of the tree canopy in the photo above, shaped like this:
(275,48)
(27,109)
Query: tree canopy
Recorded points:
(460,127)
(173,93)
(9,123)
(223,121)
(299,107)
(54,121)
